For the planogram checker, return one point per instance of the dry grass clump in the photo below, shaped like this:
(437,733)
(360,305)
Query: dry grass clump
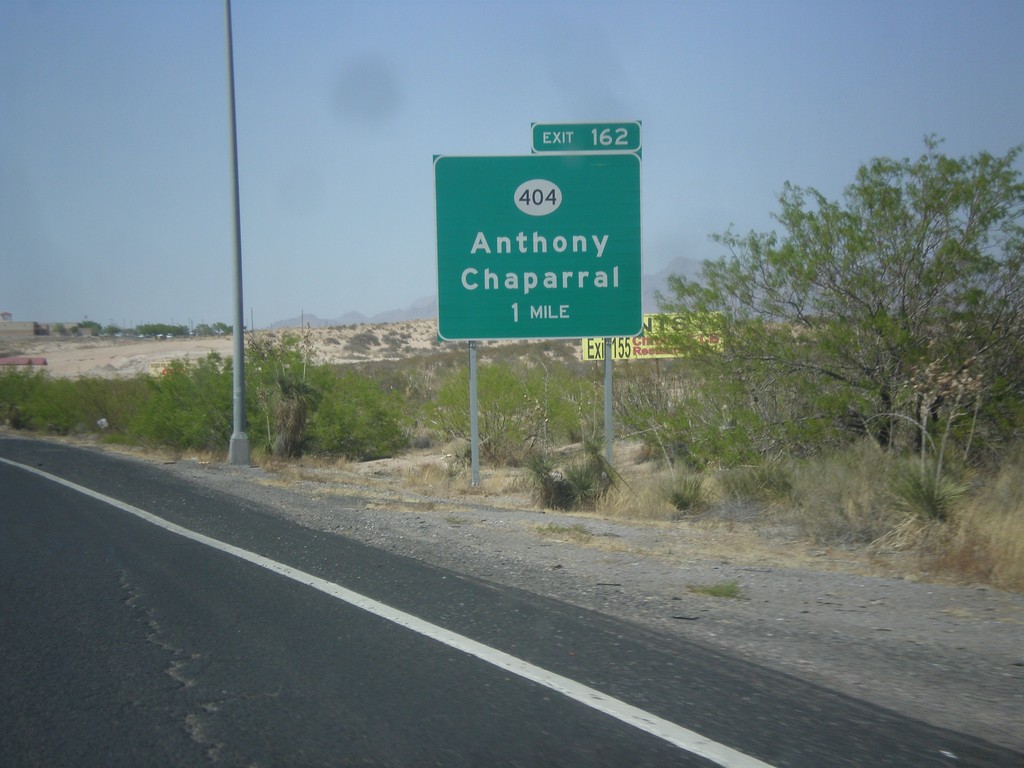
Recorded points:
(641,499)
(985,540)
(687,492)
(451,475)
(863,495)
(675,494)
(505,485)
(766,482)
(845,498)
(430,477)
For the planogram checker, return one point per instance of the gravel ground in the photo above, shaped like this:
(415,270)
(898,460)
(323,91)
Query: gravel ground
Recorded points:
(952,656)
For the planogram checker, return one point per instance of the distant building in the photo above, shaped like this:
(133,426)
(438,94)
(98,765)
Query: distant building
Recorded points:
(12,330)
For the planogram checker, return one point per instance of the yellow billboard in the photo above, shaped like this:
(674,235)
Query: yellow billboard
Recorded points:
(646,346)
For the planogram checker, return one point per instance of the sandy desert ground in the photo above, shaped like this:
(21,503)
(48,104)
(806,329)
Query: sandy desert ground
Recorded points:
(109,357)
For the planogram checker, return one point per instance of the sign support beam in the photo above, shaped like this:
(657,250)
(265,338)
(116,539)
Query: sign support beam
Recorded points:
(609,429)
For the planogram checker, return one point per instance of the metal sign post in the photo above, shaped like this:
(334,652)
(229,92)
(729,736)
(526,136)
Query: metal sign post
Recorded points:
(474,431)
(609,431)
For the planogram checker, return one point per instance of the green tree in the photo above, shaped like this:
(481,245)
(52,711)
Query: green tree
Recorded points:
(355,417)
(895,311)
(162,329)
(216,329)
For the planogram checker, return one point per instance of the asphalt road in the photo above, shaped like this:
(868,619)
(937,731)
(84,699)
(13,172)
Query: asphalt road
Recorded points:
(124,642)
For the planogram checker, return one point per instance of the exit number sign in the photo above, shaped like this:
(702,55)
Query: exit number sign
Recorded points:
(586,137)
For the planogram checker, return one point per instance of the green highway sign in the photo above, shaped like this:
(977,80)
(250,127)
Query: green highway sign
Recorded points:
(538,246)
(586,137)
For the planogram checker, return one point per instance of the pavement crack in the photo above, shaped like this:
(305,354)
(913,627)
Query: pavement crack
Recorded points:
(178,669)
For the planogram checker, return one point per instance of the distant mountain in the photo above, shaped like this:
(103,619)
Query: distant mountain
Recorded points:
(422,309)
(425,308)
(658,282)
(300,322)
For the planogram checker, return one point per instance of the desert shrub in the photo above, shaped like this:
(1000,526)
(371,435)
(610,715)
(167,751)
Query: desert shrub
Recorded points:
(573,405)
(302,406)
(579,484)
(394,342)
(24,400)
(117,402)
(588,482)
(16,389)
(921,491)
(54,407)
(686,492)
(363,341)
(520,407)
(34,400)
(643,402)
(986,537)
(713,417)
(279,393)
(736,421)
(294,399)
(639,501)
(763,481)
(1000,422)
(188,407)
(684,415)
(510,424)
(549,488)
(410,380)
(844,497)
(822,335)
(355,418)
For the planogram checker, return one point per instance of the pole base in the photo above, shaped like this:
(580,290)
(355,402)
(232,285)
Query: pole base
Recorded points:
(238,450)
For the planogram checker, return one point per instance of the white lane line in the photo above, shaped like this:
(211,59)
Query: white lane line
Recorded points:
(676,735)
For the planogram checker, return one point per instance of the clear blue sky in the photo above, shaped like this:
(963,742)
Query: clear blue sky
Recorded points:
(115,184)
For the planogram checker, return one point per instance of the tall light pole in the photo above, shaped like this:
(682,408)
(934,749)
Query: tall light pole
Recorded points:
(238,449)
